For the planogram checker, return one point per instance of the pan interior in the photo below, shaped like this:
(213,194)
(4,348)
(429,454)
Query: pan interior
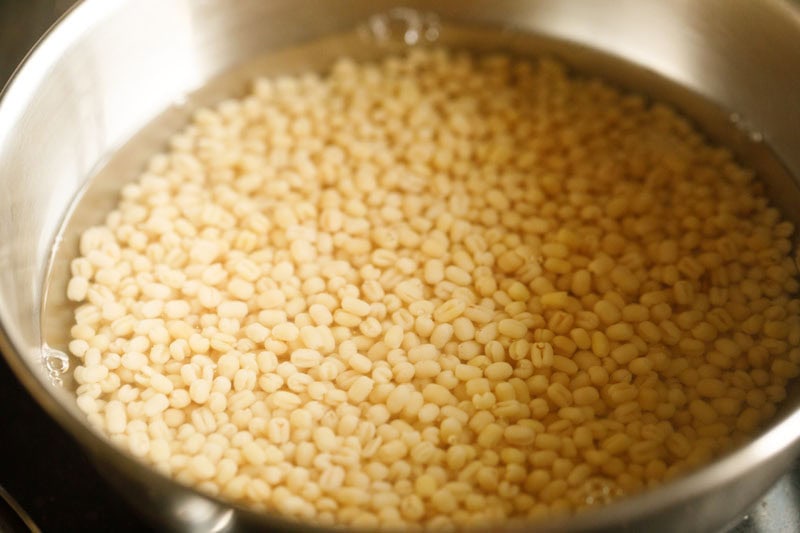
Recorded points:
(100,192)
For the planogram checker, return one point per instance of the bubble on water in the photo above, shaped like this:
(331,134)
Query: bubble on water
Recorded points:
(744,125)
(402,26)
(597,491)
(56,363)
(180,101)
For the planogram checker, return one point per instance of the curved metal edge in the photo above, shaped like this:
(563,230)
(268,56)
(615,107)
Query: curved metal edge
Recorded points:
(34,65)
(781,437)
(15,513)
(35,46)
(789,8)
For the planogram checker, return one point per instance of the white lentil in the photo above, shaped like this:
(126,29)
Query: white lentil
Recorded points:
(377,322)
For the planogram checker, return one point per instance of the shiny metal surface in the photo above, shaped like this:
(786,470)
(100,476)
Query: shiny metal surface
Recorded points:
(111,66)
(778,511)
(13,517)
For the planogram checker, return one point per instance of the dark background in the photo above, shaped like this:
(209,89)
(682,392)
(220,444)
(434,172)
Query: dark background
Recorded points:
(52,479)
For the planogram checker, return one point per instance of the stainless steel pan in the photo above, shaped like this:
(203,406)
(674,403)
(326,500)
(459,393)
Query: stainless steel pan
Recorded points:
(110,67)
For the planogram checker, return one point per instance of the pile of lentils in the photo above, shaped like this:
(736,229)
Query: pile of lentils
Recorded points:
(434,291)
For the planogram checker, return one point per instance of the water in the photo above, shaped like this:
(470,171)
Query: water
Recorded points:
(391,32)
